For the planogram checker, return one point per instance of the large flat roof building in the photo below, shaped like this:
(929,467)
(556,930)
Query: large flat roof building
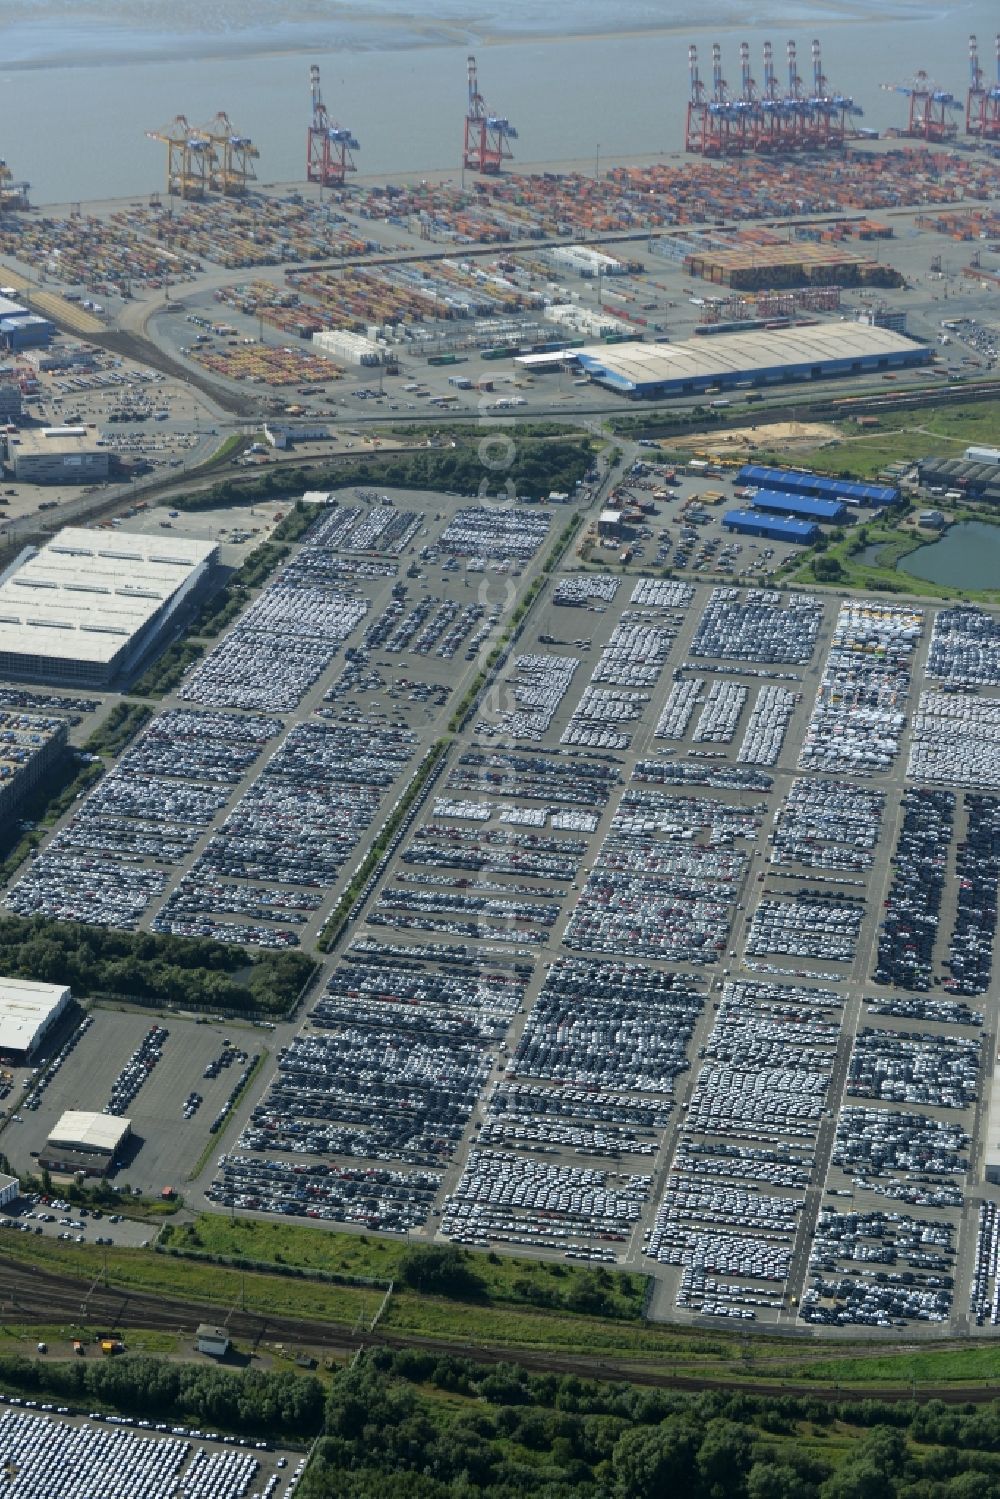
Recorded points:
(991,1145)
(86,608)
(771,357)
(57,455)
(84,1141)
(28,1010)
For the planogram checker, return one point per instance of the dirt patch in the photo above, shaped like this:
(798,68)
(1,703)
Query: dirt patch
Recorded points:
(788,435)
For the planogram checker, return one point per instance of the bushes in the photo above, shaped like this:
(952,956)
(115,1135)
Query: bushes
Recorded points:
(163,676)
(440,1270)
(538,467)
(118,729)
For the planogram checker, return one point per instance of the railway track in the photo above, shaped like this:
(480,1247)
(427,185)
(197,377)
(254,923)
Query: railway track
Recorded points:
(29,1295)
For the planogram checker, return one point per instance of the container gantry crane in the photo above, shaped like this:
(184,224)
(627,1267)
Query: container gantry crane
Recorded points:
(982,104)
(329,147)
(487,136)
(190,158)
(12,194)
(765,119)
(235,155)
(930,109)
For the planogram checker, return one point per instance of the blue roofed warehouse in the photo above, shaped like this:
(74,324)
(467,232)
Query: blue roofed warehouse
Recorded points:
(829,512)
(796,481)
(774,527)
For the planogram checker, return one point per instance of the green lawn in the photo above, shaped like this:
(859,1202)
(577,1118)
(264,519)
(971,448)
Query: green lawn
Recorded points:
(930,1366)
(504,1278)
(902,436)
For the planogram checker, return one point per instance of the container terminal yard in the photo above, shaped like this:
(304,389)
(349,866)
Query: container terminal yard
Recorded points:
(650,876)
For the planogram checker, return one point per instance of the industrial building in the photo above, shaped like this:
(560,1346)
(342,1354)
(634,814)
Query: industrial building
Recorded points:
(991,1145)
(57,455)
(741,360)
(798,481)
(31,332)
(86,608)
(982,455)
(22,329)
(10,399)
(982,480)
(774,527)
(29,746)
(28,1011)
(10,1188)
(829,512)
(87,1142)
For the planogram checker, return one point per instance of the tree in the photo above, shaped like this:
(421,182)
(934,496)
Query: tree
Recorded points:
(651,1462)
(774,1480)
(827,569)
(724,1458)
(439,1270)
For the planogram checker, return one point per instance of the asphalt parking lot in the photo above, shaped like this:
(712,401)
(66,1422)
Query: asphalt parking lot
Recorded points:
(166,1144)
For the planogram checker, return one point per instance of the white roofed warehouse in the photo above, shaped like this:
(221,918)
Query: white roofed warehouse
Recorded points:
(28,1011)
(58,455)
(83,1141)
(86,608)
(731,360)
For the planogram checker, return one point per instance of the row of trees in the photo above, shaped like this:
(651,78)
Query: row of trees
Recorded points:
(159,969)
(252,1402)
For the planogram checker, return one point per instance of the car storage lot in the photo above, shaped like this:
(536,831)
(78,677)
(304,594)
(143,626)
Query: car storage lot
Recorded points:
(46,1449)
(583,820)
(608,993)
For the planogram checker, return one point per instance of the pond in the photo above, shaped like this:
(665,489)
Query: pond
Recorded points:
(967,556)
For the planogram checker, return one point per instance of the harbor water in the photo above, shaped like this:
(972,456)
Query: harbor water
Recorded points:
(81,84)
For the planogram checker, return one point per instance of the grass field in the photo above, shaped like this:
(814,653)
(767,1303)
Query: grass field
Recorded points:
(504,1278)
(956,1365)
(902,437)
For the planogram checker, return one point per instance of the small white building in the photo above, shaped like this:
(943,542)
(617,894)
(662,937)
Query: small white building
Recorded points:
(10,1188)
(212,1340)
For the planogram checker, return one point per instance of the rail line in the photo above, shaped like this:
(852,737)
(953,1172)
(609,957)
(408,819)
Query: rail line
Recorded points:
(30,1295)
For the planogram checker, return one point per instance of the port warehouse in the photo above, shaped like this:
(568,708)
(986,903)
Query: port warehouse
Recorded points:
(84,610)
(979,479)
(795,481)
(28,1011)
(694,367)
(802,506)
(29,746)
(22,329)
(84,1141)
(57,455)
(773,527)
